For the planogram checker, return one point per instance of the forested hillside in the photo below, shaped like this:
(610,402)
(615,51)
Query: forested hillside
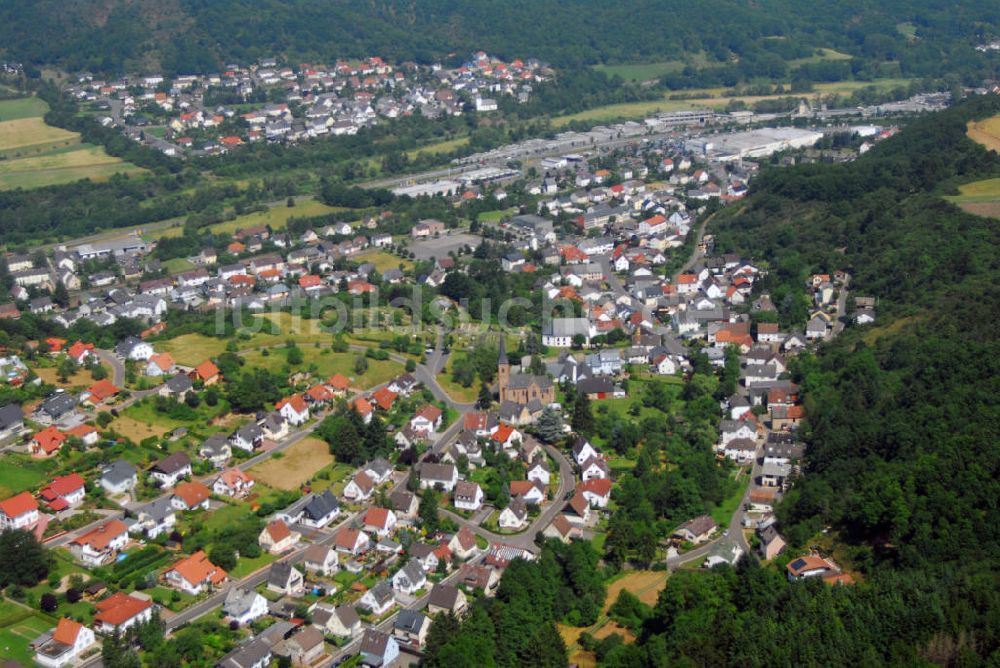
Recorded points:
(895,37)
(903,456)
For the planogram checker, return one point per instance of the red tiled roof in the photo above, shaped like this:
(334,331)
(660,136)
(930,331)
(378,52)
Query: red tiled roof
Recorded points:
(502,433)
(62,486)
(49,439)
(66,631)
(18,505)
(192,493)
(599,486)
(119,608)
(377,517)
(206,370)
(296,401)
(102,390)
(338,382)
(197,568)
(384,397)
(100,537)
(278,531)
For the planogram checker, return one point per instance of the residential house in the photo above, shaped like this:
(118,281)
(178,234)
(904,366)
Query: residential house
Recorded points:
(206,373)
(169,470)
(305,647)
(190,496)
(463,544)
(320,510)
(63,645)
(405,505)
(321,560)
(161,364)
(176,387)
(597,491)
(155,518)
(100,545)
(255,653)
(234,483)
(771,542)
(294,409)
(514,516)
(119,477)
(19,512)
(411,627)
(276,537)
(133,348)
(121,611)
(11,421)
(696,530)
(46,443)
(443,476)
(283,578)
(378,649)
(243,605)
(360,487)
(195,573)
(215,449)
(379,599)
(410,578)
(351,541)
(380,521)
(427,419)
(446,598)
(577,510)
(468,495)
(532,491)
(63,492)
(562,529)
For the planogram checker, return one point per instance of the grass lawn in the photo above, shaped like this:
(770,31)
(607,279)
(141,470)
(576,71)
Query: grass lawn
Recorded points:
(455,390)
(724,511)
(327,363)
(136,430)
(335,478)
(245,566)
(497,215)
(276,216)
(192,349)
(164,596)
(20,472)
(177,265)
(16,635)
(81,378)
(384,261)
(298,465)
(446,146)
(145,412)
(985,132)
(25,107)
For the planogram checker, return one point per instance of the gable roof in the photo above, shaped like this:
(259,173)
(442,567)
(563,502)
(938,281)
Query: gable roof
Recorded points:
(192,493)
(206,370)
(119,608)
(18,505)
(66,631)
(100,537)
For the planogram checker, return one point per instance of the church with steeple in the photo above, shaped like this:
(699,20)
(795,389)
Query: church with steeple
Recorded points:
(522,396)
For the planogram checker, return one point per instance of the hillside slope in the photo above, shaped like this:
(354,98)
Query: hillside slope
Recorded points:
(197,35)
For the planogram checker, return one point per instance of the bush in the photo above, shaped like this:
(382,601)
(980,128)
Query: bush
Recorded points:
(49,602)
(73,595)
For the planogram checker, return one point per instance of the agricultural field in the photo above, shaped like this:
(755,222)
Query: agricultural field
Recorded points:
(276,216)
(35,154)
(298,465)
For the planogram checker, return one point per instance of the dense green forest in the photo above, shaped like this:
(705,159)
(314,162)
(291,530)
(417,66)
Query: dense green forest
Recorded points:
(908,37)
(903,458)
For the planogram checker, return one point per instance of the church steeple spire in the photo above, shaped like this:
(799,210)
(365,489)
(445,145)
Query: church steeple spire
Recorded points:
(503,370)
(502,359)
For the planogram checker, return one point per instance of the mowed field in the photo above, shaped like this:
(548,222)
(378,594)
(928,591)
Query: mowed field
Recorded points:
(446,146)
(35,154)
(299,463)
(981,198)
